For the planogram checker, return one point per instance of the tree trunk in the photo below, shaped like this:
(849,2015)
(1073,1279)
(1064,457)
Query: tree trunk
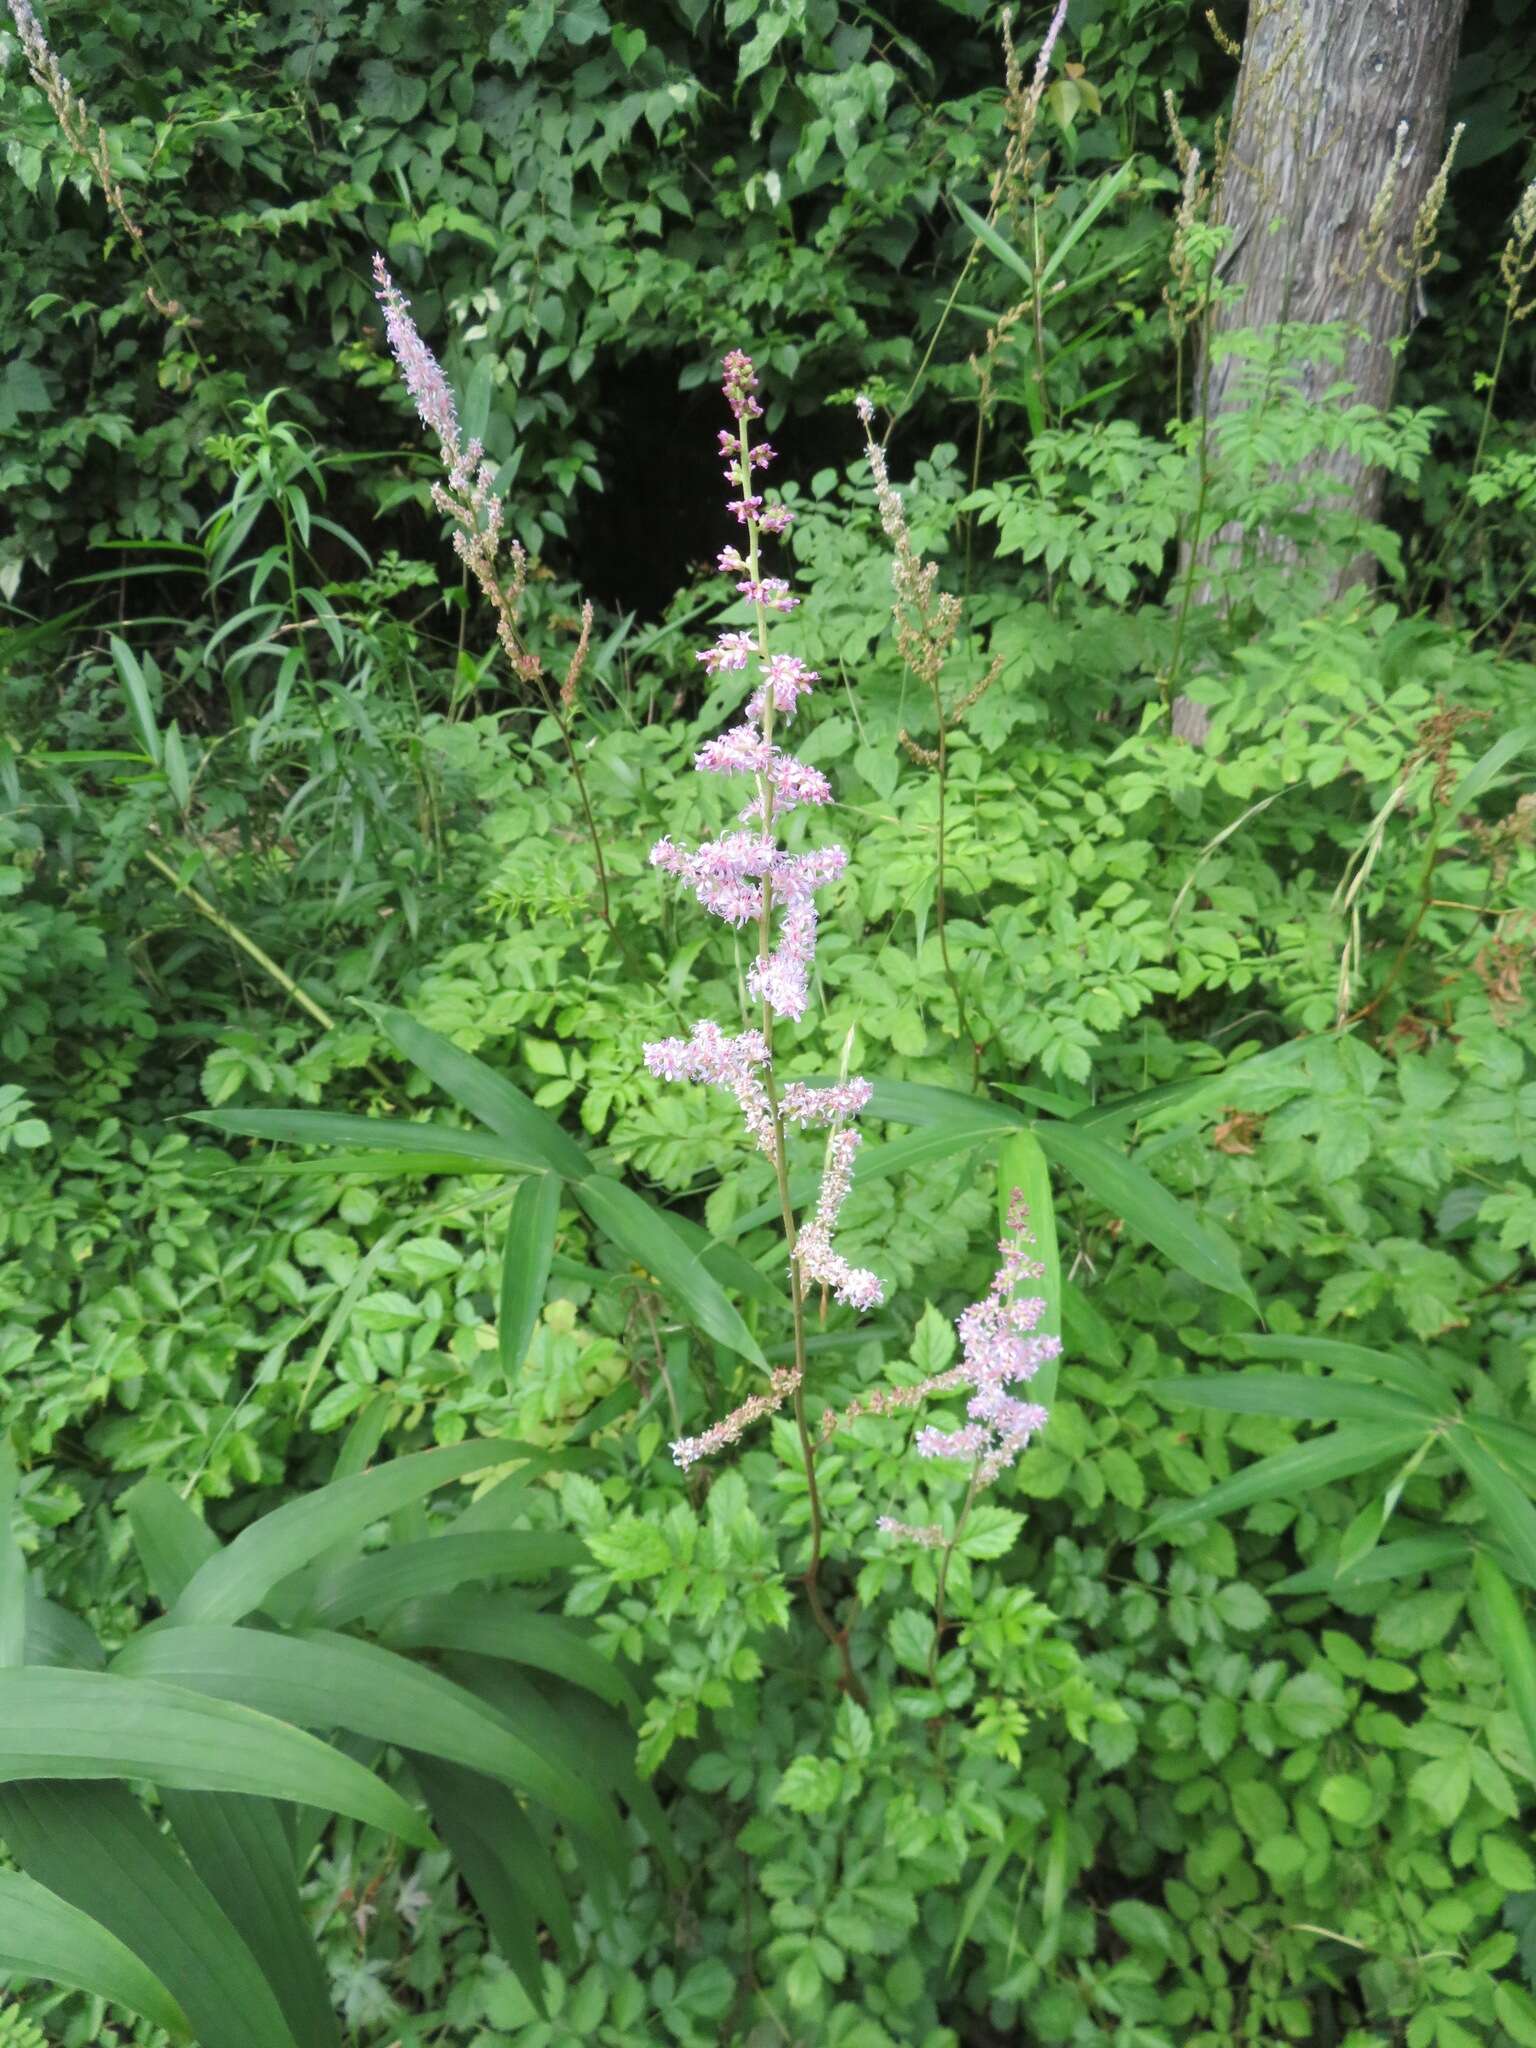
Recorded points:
(1338,130)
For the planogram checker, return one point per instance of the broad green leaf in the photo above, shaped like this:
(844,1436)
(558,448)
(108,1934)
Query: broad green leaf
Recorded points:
(989,238)
(879,1162)
(95,1847)
(644,1234)
(141,707)
(171,1537)
(486,1095)
(1483,771)
(1506,1502)
(1508,1636)
(441,1564)
(321,1680)
(1415,1377)
(437,1143)
(501,1625)
(234,1583)
(55,1636)
(1129,1191)
(1354,1447)
(1283,1393)
(525,1258)
(44,1936)
(101,1724)
(1105,191)
(238,1848)
(508,1870)
(1409,1558)
(1021,1164)
(13,1569)
(917,1104)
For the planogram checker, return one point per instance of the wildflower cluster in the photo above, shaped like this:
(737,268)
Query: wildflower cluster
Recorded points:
(746,877)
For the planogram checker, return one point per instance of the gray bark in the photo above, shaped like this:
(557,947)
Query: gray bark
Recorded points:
(1338,129)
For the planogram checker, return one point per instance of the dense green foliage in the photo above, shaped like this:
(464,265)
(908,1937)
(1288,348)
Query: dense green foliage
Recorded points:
(281,838)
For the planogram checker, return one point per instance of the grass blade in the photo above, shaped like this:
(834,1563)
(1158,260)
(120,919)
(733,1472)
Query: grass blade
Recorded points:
(502,1626)
(1412,1376)
(13,1570)
(442,1564)
(1021,1164)
(484,1094)
(1509,1638)
(44,1936)
(644,1234)
(102,1724)
(1408,1558)
(1283,1393)
(1129,1191)
(321,1680)
(95,1847)
(171,1537)
(234,1583)
(1506,1502)
(422,1142)
(1340,1454)
(238,1848)
(525,1262)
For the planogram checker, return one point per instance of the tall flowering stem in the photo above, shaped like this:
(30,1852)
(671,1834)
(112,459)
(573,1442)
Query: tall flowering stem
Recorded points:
(469,499)
(747,877)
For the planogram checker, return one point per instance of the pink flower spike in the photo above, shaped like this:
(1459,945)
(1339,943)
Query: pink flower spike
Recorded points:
(731,650)
(419,367)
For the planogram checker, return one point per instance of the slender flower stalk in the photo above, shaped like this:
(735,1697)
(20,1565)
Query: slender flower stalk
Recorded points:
(746,877)
(470,500)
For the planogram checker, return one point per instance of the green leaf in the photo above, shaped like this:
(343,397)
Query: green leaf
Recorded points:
(1411,1557)
(238,1848)
(439,1564)
(486,1095)
(503,1626)
(45,1936)
(435,1143)
(1483,771)
(916,1104)
(1129,1191)
(55,1636)
(94,1846)
(1347,1799)
(1412,1376)
(101,1724)
(1507,1635)
(1443,1784)
(171,1537)
(1310,1705)
(507,1869)
(1023,1166)
(989,238)
(1281,1393)
(320,1680)
(525,1262)
(1505,1501)
(136,690)
(235,1582)
(880,1162)
(643,1234)
(13,1569)
(1338,1455)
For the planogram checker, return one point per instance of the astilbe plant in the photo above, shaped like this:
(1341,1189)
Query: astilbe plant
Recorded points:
(747,878)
